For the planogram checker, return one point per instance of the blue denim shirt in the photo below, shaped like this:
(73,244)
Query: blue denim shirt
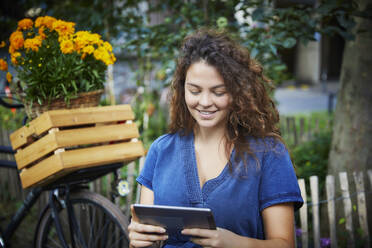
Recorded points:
(235,197)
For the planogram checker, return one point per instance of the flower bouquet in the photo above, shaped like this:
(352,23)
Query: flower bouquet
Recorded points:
(56,65)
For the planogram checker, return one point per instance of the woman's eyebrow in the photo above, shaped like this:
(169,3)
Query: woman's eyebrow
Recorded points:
(214,87)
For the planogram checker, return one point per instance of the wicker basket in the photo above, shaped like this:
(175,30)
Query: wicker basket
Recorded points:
(83,100)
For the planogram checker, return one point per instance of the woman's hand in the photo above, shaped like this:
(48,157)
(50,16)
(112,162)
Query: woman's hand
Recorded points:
(141,235)
(212,238)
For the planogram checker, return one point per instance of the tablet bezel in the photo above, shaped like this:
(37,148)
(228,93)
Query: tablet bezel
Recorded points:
(174,218)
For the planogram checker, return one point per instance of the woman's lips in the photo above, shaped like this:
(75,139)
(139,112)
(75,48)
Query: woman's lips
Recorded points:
(206,114)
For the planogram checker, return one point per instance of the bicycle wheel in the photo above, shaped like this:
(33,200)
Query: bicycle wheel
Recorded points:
(100,224)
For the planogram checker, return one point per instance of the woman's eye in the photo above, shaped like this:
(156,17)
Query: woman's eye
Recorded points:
(220,93)
(194,92)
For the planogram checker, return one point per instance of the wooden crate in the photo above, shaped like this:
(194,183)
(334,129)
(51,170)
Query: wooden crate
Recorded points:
(62,141)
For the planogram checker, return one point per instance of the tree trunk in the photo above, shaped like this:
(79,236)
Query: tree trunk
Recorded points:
(351,148)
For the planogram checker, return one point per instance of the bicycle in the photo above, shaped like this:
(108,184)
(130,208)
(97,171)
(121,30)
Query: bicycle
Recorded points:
(73,216)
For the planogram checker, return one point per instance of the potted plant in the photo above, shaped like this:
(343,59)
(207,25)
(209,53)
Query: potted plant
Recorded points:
(57,67)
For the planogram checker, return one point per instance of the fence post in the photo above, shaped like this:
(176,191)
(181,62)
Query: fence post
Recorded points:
(315,204)
(330,187)
(302,128)
(303,215)
(295,136)
(347,208)
(362,208)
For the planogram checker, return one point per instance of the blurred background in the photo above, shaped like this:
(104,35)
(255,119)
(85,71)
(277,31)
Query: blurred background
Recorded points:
(317,54)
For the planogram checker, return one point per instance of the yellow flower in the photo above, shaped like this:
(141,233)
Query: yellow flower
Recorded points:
(63,28)
(25,24)
(2,44)
(14,57)
(16,41)
(3,65)
(88,49)
(107,46)
(45,21)
(67,46)
(9,77)
(102,54)
(33,43)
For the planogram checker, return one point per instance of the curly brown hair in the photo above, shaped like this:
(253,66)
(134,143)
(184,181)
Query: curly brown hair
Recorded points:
(252,112)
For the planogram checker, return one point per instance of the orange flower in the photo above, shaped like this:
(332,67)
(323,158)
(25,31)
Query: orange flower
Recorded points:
(2,44)
(3,65)
(45,21)
(9,77)
(16,40)
(41,32)
(25,24)
(64,28)
(33,43)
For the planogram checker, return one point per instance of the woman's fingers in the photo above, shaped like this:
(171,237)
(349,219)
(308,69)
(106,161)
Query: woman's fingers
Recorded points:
(204,233)
(142,235)
(147,237)
(142,228)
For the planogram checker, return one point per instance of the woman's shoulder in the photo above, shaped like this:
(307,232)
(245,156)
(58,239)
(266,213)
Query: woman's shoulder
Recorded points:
(267,145)
(165,141)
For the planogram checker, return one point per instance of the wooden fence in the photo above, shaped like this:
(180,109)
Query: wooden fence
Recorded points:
(313,204)
(298,130)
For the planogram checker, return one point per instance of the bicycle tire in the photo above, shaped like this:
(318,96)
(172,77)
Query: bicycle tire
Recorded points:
(101,223)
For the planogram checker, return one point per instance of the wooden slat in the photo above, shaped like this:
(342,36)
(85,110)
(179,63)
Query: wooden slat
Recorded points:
(71,117)
(347,208)
(68,161)
(330,187)
(23,135)
(315,205)
(74,137)
(303,215)
(362,207)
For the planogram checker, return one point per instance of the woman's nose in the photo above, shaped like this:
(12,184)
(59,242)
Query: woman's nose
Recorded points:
(205,100)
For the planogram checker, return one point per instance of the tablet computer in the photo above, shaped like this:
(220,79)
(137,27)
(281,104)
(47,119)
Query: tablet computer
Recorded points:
(175,218)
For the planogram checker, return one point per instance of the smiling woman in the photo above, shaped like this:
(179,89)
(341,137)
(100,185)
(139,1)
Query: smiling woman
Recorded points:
(223,152)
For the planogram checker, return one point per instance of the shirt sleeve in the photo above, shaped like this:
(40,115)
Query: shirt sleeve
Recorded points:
(147,173)
(278,181)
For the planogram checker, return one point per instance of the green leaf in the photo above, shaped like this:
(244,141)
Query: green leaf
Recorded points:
(258,14)
(289,42)
(64,89)
(273,49)
(341,221)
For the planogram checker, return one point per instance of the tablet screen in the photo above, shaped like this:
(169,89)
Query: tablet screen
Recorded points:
(175,218)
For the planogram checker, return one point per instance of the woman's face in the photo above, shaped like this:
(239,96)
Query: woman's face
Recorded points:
(206,96)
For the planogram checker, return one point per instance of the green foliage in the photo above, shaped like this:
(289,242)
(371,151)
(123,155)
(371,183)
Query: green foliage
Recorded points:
(11,119)
(311,158)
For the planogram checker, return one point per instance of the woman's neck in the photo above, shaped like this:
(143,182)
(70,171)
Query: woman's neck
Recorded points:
(209,136)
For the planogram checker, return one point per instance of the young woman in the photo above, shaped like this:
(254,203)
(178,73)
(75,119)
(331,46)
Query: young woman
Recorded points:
(223,152)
